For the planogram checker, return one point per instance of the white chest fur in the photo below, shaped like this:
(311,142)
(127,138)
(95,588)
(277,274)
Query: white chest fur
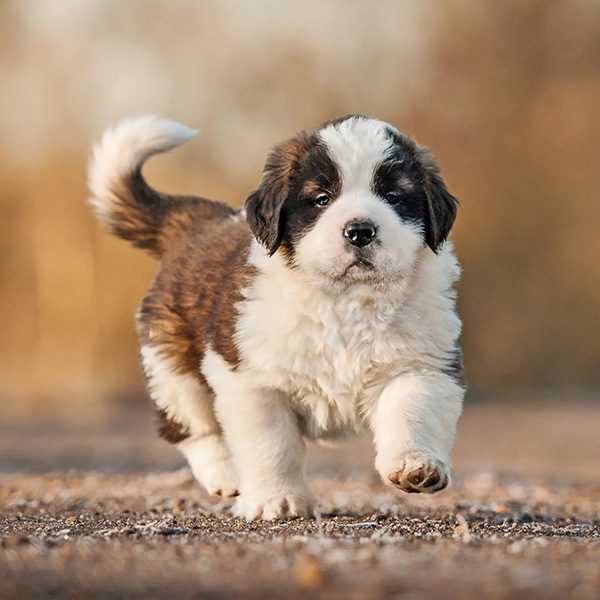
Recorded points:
(332,351)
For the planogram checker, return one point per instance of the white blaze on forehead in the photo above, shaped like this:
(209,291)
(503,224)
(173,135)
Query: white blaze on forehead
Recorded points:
(357,145)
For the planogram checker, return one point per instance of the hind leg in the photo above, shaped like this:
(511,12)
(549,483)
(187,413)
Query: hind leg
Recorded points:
(211,465)
(186,418)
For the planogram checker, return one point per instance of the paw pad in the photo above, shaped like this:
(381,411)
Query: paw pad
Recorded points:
(419,473)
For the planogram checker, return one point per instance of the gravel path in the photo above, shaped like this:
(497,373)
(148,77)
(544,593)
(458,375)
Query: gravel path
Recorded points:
(85,533)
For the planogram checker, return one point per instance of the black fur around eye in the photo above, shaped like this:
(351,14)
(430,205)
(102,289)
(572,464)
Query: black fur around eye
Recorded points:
(321,200)
(393,198)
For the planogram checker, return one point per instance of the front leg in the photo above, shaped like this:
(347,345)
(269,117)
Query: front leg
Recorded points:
(267,447)
(413,426)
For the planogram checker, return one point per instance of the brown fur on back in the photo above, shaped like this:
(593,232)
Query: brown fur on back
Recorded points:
(150,219)
(192,302)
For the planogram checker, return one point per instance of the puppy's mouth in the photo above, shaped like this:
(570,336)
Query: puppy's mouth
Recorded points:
(362,264)
(360,268)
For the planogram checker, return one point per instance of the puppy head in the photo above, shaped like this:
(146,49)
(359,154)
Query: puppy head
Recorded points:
(352,201)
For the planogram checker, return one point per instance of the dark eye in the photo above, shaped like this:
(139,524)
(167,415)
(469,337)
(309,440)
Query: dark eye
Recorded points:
(392,198)
(322,200)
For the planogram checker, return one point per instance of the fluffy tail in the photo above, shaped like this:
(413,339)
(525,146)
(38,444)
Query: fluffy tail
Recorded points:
(121,197)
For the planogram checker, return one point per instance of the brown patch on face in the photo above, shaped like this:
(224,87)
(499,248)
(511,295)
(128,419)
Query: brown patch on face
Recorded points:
(263,207)
(311,188)
(170,429)
(192,302)
(285,158)
(406,184)
(283,209)
(439,206)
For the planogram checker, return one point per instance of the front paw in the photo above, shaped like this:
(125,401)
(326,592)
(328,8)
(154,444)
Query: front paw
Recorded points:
(418,472)
(284,505)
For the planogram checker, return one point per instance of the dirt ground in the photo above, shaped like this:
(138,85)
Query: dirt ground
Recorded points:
(109,511)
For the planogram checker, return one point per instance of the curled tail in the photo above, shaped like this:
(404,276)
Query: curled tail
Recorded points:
(121,197)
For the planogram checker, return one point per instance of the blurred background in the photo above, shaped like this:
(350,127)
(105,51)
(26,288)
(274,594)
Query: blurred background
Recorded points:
(506,93)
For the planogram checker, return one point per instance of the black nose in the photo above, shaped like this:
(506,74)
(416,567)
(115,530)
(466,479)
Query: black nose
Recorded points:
(360,233)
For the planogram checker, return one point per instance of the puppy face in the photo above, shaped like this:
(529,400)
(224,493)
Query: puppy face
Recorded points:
(351,202)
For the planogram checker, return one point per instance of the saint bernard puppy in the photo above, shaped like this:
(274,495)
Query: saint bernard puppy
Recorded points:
(324,308)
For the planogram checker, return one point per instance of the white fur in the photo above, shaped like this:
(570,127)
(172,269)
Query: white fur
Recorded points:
(325,252)
(182,397)
(423,407)
(189,403)
(356,146)
(210,461)
(328,363)
(267,446)
(123,149)
(333,350)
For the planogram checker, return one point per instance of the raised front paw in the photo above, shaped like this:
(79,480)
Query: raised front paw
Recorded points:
(418,472)
(286,505)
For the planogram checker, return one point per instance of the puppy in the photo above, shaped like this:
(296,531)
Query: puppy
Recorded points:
(323,309)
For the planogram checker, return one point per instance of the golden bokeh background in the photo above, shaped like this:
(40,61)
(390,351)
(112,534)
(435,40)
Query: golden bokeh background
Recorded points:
(506,93)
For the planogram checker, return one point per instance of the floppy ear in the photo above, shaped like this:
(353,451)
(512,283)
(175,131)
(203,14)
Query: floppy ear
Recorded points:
(440,204)
(263,207)
(263,213)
